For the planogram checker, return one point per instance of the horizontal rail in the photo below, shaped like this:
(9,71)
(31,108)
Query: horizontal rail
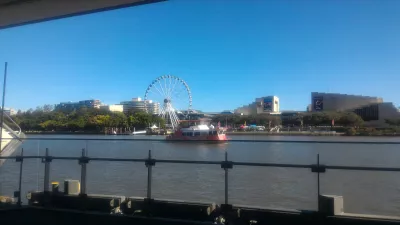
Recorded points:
(174,161)
(272,165)
(117,160)
(187,161)
(390,169)
(210,141)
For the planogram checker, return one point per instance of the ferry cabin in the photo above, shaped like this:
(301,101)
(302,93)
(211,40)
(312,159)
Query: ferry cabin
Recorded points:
(193,133)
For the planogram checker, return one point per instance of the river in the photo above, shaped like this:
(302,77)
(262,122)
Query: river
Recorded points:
(279,188)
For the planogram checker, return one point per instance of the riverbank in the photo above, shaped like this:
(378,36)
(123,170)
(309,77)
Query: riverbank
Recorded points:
(237,133)
(286,133)
(64,132)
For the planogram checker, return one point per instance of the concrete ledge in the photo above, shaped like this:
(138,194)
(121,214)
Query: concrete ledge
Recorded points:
(98,203)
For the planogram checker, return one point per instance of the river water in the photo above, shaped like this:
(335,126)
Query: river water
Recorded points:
(279,188)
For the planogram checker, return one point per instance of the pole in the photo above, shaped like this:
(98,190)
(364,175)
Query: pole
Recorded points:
(83,174)
(318,187)
(46,179)
(20,178)
(226,179)
(149,175)
(2,105)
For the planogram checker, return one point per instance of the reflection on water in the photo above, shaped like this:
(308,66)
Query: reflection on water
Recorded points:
(257,186)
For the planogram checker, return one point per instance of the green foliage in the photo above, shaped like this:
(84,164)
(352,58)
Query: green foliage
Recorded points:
(351,131)
(346,119)
(236,120)
(84,119)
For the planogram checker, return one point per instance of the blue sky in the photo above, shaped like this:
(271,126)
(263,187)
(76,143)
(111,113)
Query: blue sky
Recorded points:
(229,52)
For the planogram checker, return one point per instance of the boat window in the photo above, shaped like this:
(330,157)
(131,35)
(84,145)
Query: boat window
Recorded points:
(214,132)
(183,134)
(210,132)
(196,133)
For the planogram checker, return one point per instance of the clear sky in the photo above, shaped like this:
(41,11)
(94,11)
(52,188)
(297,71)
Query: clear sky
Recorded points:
(229,52)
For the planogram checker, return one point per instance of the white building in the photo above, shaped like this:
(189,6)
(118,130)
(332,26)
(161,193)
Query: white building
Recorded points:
(137,105)
(113,108)
(268,104)
(10,111)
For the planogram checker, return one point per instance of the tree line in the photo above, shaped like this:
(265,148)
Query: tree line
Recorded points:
(84,119)
(346,119)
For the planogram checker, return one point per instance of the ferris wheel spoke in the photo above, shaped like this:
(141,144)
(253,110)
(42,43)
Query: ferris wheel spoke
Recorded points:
(155,93)
(177,94)
(169,87)
(165,88)
(162,89)
(159,92)
(173,87)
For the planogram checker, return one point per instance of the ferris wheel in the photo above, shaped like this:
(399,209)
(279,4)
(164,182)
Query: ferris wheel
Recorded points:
(174,96)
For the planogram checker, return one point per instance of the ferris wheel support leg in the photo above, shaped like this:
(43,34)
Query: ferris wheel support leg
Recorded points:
(176,118)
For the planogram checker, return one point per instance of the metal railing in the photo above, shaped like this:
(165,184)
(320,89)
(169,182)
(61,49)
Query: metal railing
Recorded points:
(149,162)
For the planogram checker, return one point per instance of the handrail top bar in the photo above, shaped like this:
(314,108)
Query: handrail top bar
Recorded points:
(306,166)
(245,141)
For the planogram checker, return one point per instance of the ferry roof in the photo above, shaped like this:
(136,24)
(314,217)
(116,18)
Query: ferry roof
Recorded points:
(197,127)
(20,12)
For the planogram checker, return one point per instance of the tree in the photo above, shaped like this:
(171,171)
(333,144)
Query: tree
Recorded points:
(350,119)
(49,125)
(39,109)
(48,108)
(158,121)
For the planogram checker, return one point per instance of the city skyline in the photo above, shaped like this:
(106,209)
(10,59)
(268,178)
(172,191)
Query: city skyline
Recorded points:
(271,48)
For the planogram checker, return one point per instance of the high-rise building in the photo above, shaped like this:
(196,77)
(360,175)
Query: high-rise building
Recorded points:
(139,105)
(268,104)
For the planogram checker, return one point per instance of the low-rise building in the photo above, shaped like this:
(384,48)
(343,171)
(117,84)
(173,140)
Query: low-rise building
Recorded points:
(373,110)
(268,104)
(77,105)
(113,108)
(340,102)
(10,111)
(376,114)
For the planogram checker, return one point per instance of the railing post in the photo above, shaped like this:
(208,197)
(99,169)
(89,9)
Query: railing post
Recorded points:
(21,160)
(46,161)
(83,161)
(318,168)
(226,208)
(226,179)
(318,184)
(149,164)
(226,165)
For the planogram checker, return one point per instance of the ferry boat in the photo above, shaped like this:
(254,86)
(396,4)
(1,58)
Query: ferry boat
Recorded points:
(198,133)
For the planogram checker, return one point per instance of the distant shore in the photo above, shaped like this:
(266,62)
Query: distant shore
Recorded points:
(286,133)
(64,132)
(236,133)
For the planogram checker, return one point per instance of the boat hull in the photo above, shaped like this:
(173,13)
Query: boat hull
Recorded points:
(221,137)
